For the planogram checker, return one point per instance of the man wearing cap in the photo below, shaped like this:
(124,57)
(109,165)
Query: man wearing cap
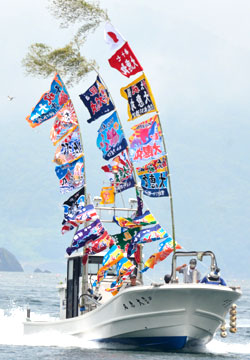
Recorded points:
(190,273)
(214,278)
(133,281)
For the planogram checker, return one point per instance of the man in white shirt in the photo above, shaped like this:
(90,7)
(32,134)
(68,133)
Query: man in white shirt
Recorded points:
(190,273)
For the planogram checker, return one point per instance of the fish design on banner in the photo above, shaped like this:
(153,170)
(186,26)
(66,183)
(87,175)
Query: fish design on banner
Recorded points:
(94,247)
(146,141)
(124,238)
(140,98)
(125,61)
(120,172)
(154,177)
(50,103)
(71,176)
(111,140)
(97,100)
(65,122)
(70,149)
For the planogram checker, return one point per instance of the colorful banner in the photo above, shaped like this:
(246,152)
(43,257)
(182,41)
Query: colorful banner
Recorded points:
(140,98)
(96,246)
(166,247)
(71,176)
(112,37)
(154,177)
(111,258)
(107,195)
(120,172)
(65,122)
(83,236)
(124,269)
(110,139)
(97,100)
(146,141)
(70,149)
(146,236)
(80,213)
(125,61)
(123,239)
(49,104)
(145,219)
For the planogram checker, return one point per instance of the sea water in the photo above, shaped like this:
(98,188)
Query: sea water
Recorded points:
(19,291)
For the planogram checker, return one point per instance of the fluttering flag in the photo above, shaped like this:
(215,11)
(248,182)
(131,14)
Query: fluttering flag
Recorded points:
(125,61)
(111,258)
(140,98)
(146,141)
(71,176)
(96,246)
(50,103)
(111,140)
(112,37)
(154,177)
(107,195)
(145,219)
(123,239)
(83,236)
(70,149)
(120,172)
(65,122)
(97,100)
(124,269)
(166,247)
(146,236)
(79,214)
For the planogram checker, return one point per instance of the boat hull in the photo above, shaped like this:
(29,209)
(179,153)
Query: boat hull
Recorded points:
(164,317)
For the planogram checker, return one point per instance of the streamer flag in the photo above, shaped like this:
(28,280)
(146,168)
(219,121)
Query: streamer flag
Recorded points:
(124,269)
(165,249)
(111,139)
(153,177)
(107,195)
(50,103)
(125,61)
(71,176)
(140,98)
(79,214)
(83,236)
(112,37)
(145,219)
(123,239)
(146,236)
(65,122)
(96,246)
(97,100)
(111,258)
(120,172)
(70,149)
(146,141)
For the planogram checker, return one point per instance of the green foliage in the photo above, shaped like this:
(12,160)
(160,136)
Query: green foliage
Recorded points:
(41,60)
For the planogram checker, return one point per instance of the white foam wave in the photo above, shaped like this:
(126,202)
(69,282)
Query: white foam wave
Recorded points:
(11,332)
(220,347)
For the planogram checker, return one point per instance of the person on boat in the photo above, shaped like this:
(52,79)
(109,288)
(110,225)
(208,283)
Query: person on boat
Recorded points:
(214,278)
(167,278)
(133,281)
(190,273)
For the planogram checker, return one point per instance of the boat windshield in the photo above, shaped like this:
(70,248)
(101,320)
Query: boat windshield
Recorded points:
(95,263)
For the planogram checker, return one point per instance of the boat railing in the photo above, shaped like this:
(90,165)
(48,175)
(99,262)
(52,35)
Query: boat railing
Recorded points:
(198,254)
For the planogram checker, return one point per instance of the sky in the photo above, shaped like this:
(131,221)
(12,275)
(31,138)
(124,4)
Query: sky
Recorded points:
(196,56)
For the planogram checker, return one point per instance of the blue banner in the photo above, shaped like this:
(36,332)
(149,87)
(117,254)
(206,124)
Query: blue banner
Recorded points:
(50,103)
(71,175)
(97,100)
(110,137)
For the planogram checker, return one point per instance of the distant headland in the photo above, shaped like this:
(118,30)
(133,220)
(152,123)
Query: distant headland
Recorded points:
(8,262)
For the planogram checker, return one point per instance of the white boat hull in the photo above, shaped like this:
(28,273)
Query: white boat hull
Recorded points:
(169,316)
